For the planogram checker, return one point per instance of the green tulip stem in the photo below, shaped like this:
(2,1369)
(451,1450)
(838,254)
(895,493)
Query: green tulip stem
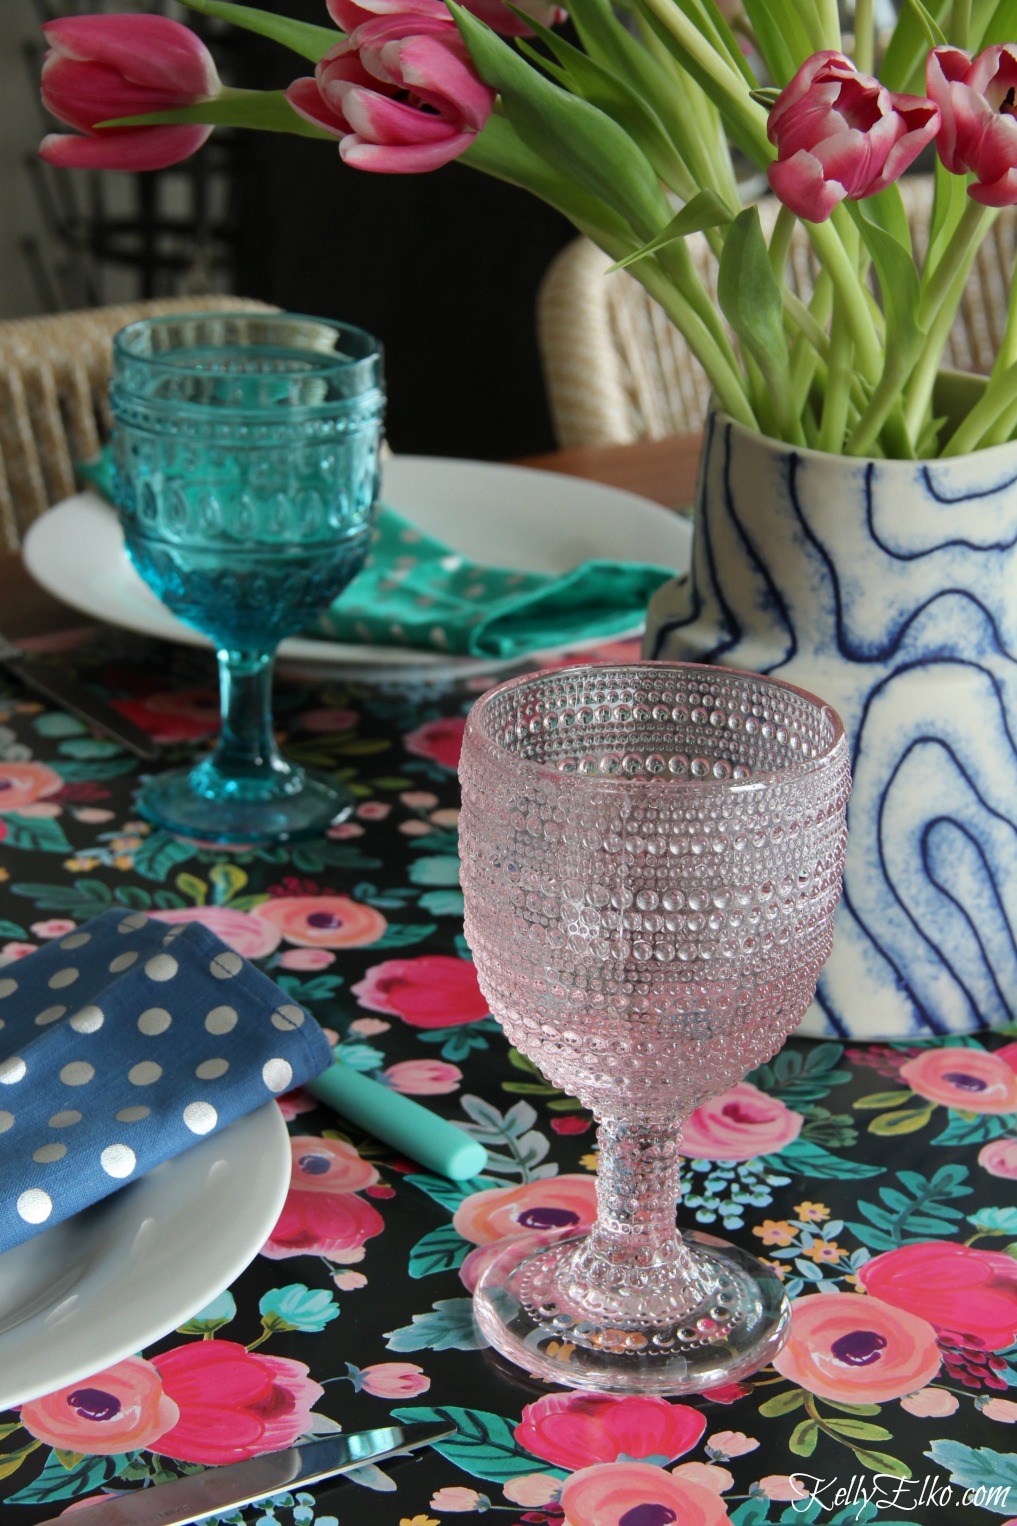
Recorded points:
(839,371)
(865,36)
(963,245)
(991,420)
(849,293)
(960,23)
(959,256)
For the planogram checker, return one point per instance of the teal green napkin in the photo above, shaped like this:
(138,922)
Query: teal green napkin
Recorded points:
(415,591)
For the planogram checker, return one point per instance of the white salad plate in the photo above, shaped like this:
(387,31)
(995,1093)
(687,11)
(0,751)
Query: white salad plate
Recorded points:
(105,1283)
(497,516)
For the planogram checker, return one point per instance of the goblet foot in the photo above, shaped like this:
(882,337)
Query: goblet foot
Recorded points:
(277,805)
(529,1306)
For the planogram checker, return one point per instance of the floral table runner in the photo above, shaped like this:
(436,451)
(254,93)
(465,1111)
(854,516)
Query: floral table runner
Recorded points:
(878,1181)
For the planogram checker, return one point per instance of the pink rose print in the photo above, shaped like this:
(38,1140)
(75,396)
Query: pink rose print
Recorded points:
(292,1104)
(431,991)
(233,1403)
(457,1500)
(441,740)
(731,1443)
(966,1078)
(423,1078)
(1003,1410)
(969,1295)
(706,1474)
(533,1489)
(328,720)
(741,1123)
(573,1430)
(322,1214)
(1008,1054)
(23,783)
(306,958)
(572,1123)
(999,1158)
(558,1202)
(620,1493)
(177,716)
(239,930)
(853,1349)
(56,927)
(394,1380)
(323,921)
(123,1407)
(781,1486)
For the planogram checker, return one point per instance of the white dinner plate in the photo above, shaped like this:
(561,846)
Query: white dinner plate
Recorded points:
(108,1281)
(500,516)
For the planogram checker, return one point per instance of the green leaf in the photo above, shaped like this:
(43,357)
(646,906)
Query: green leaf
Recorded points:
(227,879)
(448,1326)
(41,834)
(882,1462)
(484,1446)
(402,934)
(933,31)
(782,40)
(11,930)
(782,1404)
(194,889)
(84,899)
(905,1121)
(10,1462)
(751,299)
(159,854)
(812,1160)
(859,1430)
(705,210)
(804,1437)
(442,1250)
(583,144)
(854,1409)
(877,1100)
(903,66)
(262,110)
(57,1482)
(309,41)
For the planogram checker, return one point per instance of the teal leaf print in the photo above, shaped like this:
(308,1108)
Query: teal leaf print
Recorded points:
(442,1250)
(514,1147)
(402,934)
(994,1221)
(159,854)
(442,903)
(963,1130)
(11,930)
(919,1212)
(457,1043)
(811,1159)
(56,1482)
(992,1474)
(448,1193)
(83,899)
(94,769)
(799,1078)
(448,1326)
(43,834)
(485,1445)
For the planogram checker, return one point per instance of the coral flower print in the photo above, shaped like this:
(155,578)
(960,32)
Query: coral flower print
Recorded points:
(999,1158)
(574,1430)
(978,133)
(431,991)
(233,1403)
(842,134)
(556,1202)
(960,1289)
(322,1214)
(853,1349)
(739,1124)
(394,1380)
(441,741)
(628,1493)
(120,1409)
(251,936)
(322,921)
(964,1078)
(22,784)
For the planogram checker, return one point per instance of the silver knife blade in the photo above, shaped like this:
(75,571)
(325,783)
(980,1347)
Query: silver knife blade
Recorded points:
(241,1483)
(63,688)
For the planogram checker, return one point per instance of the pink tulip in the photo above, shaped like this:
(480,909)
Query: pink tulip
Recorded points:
(348,14)
(400,92)
(841,134)
(978,132)
(102,67)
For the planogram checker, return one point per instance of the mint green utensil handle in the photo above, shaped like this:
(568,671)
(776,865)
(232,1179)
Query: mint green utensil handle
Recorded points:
(399,1121)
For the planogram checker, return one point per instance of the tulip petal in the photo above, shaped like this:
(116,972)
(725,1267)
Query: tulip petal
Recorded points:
(382,120)
(309,102)
(404,159)
(128,148)
(152,51)
(800,184)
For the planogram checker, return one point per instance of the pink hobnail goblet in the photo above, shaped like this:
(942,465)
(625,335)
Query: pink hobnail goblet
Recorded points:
(651,858)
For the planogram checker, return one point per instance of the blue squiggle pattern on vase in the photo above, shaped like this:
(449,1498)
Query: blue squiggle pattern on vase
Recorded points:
(890,588)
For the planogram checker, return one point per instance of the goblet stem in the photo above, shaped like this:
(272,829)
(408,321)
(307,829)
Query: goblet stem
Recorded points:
(246,750)
(633,1265)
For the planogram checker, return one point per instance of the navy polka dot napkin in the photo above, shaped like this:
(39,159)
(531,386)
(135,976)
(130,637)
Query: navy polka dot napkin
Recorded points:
(121,1045)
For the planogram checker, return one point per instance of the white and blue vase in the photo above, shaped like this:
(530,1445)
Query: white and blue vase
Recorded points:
(890,589)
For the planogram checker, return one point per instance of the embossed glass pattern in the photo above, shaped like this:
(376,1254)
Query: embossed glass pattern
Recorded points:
(651,857)
(246,448)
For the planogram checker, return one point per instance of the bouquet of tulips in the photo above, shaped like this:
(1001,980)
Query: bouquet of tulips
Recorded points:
(634,131)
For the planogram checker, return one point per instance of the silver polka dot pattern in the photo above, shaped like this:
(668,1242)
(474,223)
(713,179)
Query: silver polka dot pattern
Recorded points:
(287,1017)
(64,977)
(35,1206)
(51,1015)
(77,1073)
(211,1070)
(154,1021)
(123,962)
(132,1114)
(224,966)
(277,1074)
(7,987)
(161,967)
(46,1154)
(221,1020)
(75,940)
(145,1073)
(118,1160)
(6,1120)
(133,923)
(12,1070)
(65,1119)
(200,1117)
(88,1020)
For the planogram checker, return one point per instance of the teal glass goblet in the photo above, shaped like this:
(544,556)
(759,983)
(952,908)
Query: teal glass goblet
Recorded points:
(246,448)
